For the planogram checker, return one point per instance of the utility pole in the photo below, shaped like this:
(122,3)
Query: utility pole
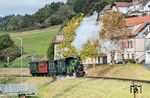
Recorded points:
(21,46)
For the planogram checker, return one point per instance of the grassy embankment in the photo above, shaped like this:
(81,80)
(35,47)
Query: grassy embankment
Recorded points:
(35,43)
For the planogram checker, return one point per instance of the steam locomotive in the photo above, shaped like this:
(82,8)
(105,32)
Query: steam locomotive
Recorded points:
(67,66)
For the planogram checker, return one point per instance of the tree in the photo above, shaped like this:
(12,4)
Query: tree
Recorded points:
(68,32)
(50,51)
(98,6)
(8,48)
(115,29)
(5,41)
(90,49)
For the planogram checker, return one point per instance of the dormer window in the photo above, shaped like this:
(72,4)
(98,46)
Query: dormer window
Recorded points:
(59,37)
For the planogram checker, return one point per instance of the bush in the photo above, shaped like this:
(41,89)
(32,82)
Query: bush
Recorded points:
(132,61)
(12,52)
(126,61)
(5,41)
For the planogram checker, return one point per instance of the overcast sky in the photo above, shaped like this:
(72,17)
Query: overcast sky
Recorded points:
(22,7)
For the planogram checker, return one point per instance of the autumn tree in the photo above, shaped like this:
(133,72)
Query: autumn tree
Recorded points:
(114,29)
(90,49)
(68,32)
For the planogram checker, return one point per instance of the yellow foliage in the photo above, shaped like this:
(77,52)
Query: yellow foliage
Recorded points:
(114,26)
(68,32)
(90,49)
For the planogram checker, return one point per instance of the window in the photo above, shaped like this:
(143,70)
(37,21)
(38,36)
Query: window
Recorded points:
(123,56)
(132,56)
(128,44)
(131,44)
(148,5)
(128,56)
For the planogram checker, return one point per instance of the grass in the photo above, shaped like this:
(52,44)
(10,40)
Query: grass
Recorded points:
(85,88)
(92,88)
(35,43)
(133,71)
(89,88)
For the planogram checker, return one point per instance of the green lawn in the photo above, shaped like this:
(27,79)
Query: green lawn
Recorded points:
(35,43)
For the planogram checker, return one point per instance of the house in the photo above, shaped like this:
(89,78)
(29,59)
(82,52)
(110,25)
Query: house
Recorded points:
(135,47)
(129,8)
(58,39)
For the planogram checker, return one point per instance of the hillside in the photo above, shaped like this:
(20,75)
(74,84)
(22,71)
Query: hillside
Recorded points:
(35,43)
(52,14)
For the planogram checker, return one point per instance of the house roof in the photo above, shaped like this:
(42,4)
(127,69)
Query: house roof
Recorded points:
(137,20)
(144,2)
(141,21)
(107,7)
(55,41)
(123,4)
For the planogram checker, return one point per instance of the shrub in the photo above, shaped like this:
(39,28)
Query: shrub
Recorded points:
(5,41)
(126,61)
(132,61)
(12,52)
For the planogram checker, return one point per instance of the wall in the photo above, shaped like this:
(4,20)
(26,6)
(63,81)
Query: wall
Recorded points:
(146,8)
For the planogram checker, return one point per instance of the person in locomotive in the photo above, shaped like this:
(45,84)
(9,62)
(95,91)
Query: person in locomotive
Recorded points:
(66,66)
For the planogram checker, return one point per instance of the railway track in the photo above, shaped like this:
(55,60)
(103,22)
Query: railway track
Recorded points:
(15,76)
(119,79)
(90,77)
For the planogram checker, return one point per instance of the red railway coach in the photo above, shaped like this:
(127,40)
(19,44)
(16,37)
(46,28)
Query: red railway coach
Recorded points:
(43,67)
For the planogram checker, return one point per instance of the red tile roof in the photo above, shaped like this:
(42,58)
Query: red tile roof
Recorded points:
(142,21)
(137,20)
(123,4)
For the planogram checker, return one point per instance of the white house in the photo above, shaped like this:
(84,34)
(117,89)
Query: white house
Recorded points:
(147,51)
(129,8)
(146,7)
(136,47)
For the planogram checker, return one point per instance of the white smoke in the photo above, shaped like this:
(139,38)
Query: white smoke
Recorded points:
(108,46)
(88,30)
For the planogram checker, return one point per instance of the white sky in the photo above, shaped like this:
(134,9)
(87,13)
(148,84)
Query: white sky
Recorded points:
(22,7)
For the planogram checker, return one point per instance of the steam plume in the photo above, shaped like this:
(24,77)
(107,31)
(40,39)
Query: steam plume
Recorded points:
(88,30)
